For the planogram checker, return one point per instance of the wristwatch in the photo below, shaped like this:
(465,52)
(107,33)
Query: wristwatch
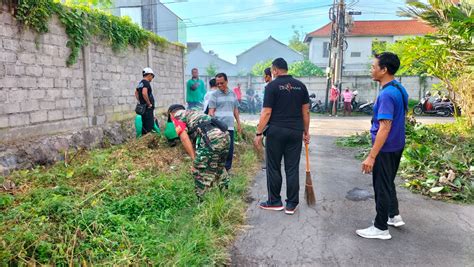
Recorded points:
(258,134)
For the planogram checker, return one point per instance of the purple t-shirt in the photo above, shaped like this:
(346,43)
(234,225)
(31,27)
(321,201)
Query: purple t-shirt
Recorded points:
(391,105)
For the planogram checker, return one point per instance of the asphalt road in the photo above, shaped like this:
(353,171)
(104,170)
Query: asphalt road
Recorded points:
(435,234)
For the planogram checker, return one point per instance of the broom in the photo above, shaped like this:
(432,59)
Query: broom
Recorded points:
(308,189)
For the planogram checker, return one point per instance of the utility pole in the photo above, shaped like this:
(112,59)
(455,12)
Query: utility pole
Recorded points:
(329,72)
(334,72)
(337,15)
(340,43)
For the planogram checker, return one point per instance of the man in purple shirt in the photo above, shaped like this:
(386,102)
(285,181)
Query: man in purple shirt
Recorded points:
(388,142)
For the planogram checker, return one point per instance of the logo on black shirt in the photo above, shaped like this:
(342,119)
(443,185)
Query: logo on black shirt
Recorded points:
(288,87)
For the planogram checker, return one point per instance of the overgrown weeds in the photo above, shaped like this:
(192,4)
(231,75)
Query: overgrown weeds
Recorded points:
(438,160)
(130,204)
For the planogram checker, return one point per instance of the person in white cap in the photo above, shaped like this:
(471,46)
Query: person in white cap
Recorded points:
(144,94)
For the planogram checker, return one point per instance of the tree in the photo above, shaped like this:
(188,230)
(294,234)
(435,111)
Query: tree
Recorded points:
(211,70)
(298,69)
(297,43)
(258,68)
(447,54)
(89,3)
(304,68)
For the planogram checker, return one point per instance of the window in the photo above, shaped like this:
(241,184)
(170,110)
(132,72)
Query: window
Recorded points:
(135,13)
(355,54)
(325,49)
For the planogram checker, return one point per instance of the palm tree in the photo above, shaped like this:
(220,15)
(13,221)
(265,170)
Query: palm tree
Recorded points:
(454,22)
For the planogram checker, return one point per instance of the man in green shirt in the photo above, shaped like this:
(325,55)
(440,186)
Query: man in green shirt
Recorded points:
(195,90)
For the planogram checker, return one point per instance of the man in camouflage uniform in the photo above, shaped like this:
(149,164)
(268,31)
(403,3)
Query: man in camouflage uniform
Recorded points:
(212,146)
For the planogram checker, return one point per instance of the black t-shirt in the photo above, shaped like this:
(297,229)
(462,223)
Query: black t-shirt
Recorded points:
(285,96)
(145,84)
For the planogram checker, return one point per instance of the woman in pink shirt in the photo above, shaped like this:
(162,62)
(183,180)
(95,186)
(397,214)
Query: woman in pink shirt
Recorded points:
(347,101)
(238,93)
(334,94)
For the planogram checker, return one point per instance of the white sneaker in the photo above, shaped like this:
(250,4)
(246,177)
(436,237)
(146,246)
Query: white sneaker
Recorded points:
(396,221)
(374,232)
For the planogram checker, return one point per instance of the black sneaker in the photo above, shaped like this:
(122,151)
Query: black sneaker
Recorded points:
(290,209)
(266,206)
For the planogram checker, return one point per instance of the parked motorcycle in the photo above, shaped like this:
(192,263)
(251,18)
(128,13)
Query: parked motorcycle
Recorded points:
(439,107)
(250,104)
(316,106)
(243,106)
(367,108)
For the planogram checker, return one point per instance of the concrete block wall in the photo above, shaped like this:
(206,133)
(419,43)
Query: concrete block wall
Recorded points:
(40,95)
(367,88)
(168,84)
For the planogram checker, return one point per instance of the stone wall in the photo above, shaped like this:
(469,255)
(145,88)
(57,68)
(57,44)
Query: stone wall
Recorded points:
(40,95)
(363,84)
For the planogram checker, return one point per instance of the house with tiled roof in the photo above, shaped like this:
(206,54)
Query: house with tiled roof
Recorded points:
(360,38)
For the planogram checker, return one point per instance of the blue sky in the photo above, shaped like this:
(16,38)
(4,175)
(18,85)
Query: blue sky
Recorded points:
(229,27)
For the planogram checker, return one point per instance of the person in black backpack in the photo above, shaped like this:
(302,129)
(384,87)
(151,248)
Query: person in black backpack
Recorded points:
(144,94)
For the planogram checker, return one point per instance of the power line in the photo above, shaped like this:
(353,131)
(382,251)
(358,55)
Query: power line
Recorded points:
(252,19)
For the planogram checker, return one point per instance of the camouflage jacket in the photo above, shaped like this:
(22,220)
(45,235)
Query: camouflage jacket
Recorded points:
(193,118)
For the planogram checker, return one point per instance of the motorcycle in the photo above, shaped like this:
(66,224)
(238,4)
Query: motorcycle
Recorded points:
(250,104)
(367,108)
(439,107)
(244,106)
(316,106)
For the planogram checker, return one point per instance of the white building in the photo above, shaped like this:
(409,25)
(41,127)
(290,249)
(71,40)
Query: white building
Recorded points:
(196,57)
(360,38)
(269,48)
(153,16)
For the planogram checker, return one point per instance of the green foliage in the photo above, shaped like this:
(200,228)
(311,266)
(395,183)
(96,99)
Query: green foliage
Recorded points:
(417,54)
(357,140)
(35,14)
(438,160)
(258,68)
(298,69)
(297,43)
(412,103)
(82,23)
(109,207)
(304,69)
(447,54)
(90,3)
(211,70)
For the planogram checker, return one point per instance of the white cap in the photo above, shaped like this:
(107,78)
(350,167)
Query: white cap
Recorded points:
(148,71)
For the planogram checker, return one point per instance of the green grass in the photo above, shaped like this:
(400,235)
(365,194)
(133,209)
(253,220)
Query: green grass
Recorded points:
(130,204)
(431,153)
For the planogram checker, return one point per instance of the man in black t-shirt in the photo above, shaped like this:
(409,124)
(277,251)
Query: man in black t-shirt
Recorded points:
(286,112)
(144,94)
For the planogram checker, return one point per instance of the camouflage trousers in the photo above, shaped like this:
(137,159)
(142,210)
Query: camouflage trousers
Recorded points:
(209,163)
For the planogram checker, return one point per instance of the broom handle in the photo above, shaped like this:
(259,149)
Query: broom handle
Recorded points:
(307,157)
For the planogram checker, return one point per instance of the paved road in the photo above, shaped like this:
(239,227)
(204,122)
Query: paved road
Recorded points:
(343,126)
(436,233)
